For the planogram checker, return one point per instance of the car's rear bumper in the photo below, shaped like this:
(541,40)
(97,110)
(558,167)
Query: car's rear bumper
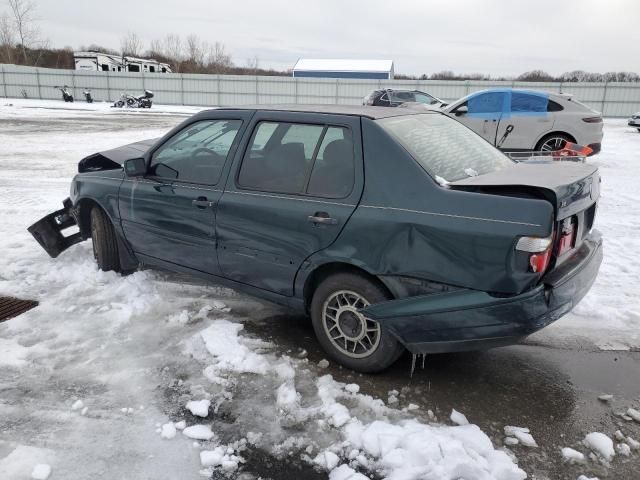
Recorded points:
(48,230)
(470,320)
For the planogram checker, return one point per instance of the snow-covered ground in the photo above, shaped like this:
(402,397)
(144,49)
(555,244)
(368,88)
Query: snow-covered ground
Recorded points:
(152,376)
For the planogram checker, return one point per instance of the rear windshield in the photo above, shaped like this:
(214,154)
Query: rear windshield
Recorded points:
(446,149)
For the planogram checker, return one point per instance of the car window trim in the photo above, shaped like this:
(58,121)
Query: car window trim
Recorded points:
(247,149)
(186,182)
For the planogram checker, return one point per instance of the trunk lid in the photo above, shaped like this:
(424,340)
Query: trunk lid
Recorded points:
(571,187)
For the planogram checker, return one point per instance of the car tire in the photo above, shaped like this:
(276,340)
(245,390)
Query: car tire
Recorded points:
(334,308)
(105,243)
(553,142)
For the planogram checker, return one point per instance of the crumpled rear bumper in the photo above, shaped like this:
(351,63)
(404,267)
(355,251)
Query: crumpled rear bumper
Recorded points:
(472,320)
(48,230)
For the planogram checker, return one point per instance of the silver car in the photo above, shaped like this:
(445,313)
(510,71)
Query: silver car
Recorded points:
(634,121)
(529,120)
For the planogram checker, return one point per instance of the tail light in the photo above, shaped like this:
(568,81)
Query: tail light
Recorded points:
(539,249)
(567,237)
(592,119)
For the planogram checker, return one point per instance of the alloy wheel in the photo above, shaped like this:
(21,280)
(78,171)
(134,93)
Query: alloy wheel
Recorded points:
(349,331)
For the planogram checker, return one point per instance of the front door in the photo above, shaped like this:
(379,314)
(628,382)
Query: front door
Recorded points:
(169,214)
(483,114)
(289,194)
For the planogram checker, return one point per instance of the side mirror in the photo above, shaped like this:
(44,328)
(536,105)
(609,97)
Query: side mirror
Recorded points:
(135,167)
(461,111)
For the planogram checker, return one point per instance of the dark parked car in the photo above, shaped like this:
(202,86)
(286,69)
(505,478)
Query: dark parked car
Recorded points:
(393,228)
(395,98)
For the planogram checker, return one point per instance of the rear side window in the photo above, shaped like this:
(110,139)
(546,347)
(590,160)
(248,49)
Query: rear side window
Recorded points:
(196,154)
(301,159)
(527,103)
(445,148)
(554,107)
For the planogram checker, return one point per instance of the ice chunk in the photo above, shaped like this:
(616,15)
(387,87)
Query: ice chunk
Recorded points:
(218,305)
(511,441)
(600,444)
(286,397)
(633,413)
(634,444)
(168,430)
(199,408)
(584,477)
(77,405)
(180,425)
(41,472)
(352,388)
(619,435)
(345,472)
(623,449)
(510,430)
(212,458)
(605,398)
(570,455)
(84,411)
(525,438)
(198,432)
(458,418)
(327,460)
(324,363)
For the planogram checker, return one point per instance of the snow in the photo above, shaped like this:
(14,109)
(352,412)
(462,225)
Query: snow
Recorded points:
(168,431)
(199,408)
(198,432)
(118,342)
(327,460)
(77,405)
(572,456)
(600,444)
(41,472)
(458,418)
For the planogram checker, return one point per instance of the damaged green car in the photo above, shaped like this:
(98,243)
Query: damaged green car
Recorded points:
(394,229)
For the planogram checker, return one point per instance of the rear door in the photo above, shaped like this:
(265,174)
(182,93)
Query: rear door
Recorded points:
(294,184)
(169,214)
(484,111)
(530,117)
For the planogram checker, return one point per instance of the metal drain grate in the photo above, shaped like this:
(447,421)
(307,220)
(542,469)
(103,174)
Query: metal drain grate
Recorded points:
(12,307)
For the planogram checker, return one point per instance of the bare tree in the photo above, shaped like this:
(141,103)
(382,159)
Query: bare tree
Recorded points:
(253,64)
(196,51)
(24,22)
(7,39)
(131,44)
(173,50)
(218,58)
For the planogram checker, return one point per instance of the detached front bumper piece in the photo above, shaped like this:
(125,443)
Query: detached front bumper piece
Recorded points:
(48,230)
(472,320)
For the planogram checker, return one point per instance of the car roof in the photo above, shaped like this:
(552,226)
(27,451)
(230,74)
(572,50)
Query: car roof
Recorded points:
(373,113)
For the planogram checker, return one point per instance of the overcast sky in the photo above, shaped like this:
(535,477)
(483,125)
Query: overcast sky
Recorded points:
(496,37)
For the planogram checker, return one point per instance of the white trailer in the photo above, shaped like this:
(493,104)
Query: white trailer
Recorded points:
(106,62)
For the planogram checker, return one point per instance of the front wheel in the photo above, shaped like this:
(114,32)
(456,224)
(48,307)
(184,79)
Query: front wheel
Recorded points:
(105,243)
(349,337)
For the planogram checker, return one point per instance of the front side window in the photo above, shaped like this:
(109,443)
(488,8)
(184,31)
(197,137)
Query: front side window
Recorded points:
(445,148)
(299,159)
(492,102)
(196,154)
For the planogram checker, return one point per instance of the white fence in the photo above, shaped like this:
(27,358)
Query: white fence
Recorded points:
(614,99)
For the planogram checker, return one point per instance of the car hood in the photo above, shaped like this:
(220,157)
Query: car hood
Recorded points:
(570,186)
(115,157)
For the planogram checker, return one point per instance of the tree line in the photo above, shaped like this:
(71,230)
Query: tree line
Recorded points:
(22,43)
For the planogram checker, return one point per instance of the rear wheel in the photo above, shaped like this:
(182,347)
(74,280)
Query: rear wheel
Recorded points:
(105,244)
(553,142)
(349,337)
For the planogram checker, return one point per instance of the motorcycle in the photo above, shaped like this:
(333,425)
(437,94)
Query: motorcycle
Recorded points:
(87,96)
(66,94)
(142,101)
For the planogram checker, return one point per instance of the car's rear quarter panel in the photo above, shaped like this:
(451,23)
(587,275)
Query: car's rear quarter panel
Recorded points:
(408,225)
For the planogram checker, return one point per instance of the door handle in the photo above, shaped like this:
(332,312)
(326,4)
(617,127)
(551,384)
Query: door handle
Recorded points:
(323,218)
(201,202)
